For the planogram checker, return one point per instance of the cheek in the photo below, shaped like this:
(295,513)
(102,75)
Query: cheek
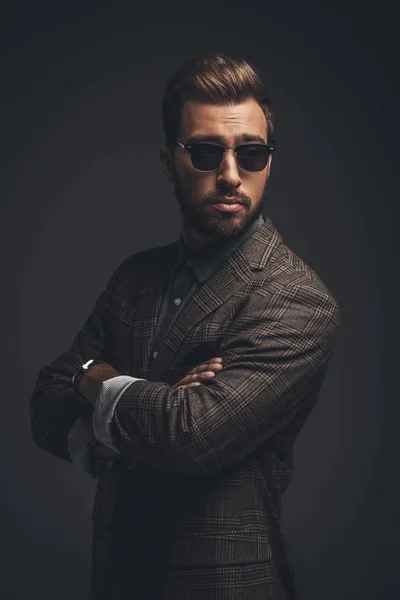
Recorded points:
(261,183)
(255,187)
(197,185)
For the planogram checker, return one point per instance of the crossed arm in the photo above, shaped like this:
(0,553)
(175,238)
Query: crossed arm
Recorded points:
(275,357)
(90,386)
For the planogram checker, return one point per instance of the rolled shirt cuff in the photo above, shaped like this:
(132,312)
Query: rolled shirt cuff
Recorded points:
(110,392)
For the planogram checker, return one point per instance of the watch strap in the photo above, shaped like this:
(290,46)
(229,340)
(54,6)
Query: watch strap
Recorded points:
(82,370)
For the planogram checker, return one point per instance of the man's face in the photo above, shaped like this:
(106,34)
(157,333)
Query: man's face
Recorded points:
(198,192)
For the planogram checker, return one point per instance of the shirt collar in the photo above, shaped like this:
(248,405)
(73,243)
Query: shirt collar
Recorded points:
(206,260)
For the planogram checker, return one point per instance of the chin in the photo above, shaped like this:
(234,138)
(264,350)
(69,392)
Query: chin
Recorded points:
(226,225)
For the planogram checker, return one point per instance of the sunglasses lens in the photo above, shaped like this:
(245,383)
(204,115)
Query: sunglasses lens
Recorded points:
(253,157)
(206,157)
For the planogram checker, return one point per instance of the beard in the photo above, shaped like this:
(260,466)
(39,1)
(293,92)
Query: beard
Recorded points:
(218,224)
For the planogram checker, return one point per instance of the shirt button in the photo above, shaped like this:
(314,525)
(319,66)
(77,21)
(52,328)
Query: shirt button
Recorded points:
(177,301)
(155,354)
(188,262)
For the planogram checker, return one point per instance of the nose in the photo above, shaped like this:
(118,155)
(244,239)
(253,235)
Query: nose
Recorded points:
(228,170)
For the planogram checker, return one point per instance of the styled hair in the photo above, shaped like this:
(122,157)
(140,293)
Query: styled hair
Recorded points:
(215,78)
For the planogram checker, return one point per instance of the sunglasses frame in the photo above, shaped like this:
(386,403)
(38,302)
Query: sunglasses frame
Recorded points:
(188,148)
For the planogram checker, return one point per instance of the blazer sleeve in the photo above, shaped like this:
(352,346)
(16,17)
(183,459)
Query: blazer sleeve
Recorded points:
(275,357)
(55,404)
(81,441)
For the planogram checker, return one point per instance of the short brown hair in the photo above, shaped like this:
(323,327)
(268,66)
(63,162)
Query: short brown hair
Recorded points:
(214,78)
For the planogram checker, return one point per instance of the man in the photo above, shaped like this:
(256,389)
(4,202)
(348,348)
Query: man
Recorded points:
(197,368)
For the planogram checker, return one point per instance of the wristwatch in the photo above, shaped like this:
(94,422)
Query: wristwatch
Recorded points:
(82,370)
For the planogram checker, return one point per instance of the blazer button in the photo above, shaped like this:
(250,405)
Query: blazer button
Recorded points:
(130,463)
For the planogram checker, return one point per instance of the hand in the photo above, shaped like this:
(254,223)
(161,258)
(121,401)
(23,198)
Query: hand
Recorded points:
(200,374)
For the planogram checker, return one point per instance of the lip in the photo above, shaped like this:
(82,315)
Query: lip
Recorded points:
(229,200)
(228,206)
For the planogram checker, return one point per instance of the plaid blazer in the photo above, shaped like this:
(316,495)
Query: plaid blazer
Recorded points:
(199,515)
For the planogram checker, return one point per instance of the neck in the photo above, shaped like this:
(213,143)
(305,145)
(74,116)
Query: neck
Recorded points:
(195,241)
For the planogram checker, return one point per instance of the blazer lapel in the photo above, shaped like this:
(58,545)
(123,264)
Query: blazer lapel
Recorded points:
(235,271)
(148,305)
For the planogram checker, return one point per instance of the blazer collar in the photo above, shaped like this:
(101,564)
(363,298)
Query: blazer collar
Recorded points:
(226,280)
(205,261)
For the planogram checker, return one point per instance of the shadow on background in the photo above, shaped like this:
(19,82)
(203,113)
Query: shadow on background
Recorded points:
(82,188)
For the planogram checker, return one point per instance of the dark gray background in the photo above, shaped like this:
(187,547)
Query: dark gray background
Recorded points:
(81,188)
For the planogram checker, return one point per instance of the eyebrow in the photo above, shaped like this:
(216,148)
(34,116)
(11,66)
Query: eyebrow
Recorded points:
(219,139)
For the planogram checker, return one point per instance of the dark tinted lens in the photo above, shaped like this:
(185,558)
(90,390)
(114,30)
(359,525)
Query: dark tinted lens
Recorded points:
(252,157)
(206,157)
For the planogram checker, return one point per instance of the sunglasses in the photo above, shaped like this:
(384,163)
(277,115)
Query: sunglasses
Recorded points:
(206,156)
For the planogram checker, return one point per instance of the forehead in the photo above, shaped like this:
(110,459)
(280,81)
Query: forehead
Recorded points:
(228,122)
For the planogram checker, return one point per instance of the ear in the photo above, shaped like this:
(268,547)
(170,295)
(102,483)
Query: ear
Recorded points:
(167,163)
(269,165)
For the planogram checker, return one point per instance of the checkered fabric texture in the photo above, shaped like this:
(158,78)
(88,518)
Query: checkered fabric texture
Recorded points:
(199,515)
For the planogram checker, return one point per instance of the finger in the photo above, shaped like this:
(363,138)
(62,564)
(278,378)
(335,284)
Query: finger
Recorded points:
(217,359)
(207,363)
(202,372)
(207,369)
(197,376)
(190,380)
(207,366)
